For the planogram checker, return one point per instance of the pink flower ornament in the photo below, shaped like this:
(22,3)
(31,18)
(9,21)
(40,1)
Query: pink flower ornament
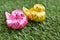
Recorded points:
(16,20)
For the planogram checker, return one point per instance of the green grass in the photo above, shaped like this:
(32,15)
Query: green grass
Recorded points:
(47,30)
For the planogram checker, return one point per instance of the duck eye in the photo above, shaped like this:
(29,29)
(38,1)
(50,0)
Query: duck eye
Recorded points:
(22,15)
(16,14)
(36,7)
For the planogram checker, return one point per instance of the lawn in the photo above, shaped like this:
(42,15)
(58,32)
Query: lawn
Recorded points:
(47,30)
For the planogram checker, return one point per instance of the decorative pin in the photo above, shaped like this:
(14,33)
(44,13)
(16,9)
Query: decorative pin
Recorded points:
(16,20)
(36,13)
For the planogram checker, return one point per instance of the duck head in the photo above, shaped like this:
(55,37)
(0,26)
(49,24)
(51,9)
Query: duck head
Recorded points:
(39,7)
